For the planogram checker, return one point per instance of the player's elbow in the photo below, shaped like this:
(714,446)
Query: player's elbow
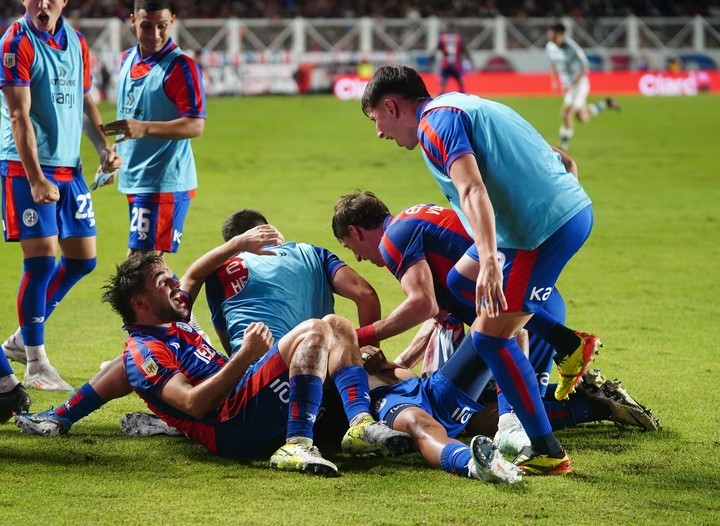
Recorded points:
(195,128)
(424,306)
(367,296)
(197,409)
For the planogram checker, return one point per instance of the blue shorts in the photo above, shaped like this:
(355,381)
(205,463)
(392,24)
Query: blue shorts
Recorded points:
(157,220)
(254,423)
(450,71)
(529,276)
(71,216)
(436,395)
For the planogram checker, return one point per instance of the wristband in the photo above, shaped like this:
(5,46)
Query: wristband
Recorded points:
(366,335)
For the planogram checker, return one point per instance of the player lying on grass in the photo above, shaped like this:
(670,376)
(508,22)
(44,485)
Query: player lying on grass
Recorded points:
(254,279)
(596,399)
(234,407)
(420,246)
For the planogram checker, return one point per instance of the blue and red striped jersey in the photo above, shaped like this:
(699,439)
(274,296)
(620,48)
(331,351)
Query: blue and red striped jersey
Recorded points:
(433,234)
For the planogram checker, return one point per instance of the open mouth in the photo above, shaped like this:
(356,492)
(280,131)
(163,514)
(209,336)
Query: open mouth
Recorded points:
(44,19)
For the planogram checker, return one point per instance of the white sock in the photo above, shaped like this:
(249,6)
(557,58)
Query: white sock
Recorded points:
(300,440)
(36,358)
(17,338)
(359,418)
(8,383)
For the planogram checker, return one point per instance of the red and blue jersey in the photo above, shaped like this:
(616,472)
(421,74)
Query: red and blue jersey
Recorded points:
(433,234)
(153,355)
(451,46)
(165,86)
(251,421)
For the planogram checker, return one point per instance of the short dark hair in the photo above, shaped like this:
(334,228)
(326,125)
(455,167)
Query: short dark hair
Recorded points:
(401,80)
(240,222)
(152,6)
(128,281)
(362,209)
(558,27)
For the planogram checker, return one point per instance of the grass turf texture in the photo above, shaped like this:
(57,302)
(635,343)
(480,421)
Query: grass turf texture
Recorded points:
(646,282)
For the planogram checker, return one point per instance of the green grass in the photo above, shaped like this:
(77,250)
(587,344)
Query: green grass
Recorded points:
(646,281)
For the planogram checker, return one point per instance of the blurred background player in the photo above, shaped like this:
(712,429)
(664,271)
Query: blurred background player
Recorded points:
(570,68)
(451,47)
(45,80)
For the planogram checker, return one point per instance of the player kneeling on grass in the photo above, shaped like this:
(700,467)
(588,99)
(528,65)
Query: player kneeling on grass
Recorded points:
(245,406)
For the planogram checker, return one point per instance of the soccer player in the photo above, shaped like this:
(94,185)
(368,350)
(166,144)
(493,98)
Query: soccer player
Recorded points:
(528,215)
(45,81)
(451,47)
(160,107)
(281,291)
(419,246)
(245,406)
(570,68)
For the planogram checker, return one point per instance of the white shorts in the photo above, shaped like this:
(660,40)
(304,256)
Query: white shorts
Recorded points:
(576,96)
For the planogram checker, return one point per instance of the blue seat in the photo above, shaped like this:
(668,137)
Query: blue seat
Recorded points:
(597,63)
(697,61)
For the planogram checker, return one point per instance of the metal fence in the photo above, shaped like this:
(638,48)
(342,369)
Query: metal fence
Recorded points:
(239,54)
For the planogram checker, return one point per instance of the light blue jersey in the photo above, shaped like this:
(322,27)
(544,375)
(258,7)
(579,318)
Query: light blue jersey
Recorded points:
(281,291)
(152,164)
(531,191)
(56,91)
(569,60)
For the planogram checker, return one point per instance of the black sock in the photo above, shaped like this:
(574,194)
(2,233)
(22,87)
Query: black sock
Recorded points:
(563,340)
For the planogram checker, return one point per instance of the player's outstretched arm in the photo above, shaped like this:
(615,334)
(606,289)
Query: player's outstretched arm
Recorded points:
(415,351)
(254,240)
(475,203)
(177,129)
(419,305)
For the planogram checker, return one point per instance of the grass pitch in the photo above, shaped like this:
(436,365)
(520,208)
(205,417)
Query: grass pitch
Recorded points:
(646,282)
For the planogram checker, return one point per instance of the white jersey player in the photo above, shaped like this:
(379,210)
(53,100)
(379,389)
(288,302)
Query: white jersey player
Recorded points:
(570,68)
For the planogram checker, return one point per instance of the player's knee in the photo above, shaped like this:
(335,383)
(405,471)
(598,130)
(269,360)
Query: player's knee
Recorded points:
(79,267)
(317,331)
(341,327)
(462,287)
(416,422)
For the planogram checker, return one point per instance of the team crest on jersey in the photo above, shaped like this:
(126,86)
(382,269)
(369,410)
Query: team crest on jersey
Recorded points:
(9,60)
(150,367)
(30,217)
(184,326)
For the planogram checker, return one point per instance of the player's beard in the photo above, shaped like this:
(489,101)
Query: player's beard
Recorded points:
(171,312)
